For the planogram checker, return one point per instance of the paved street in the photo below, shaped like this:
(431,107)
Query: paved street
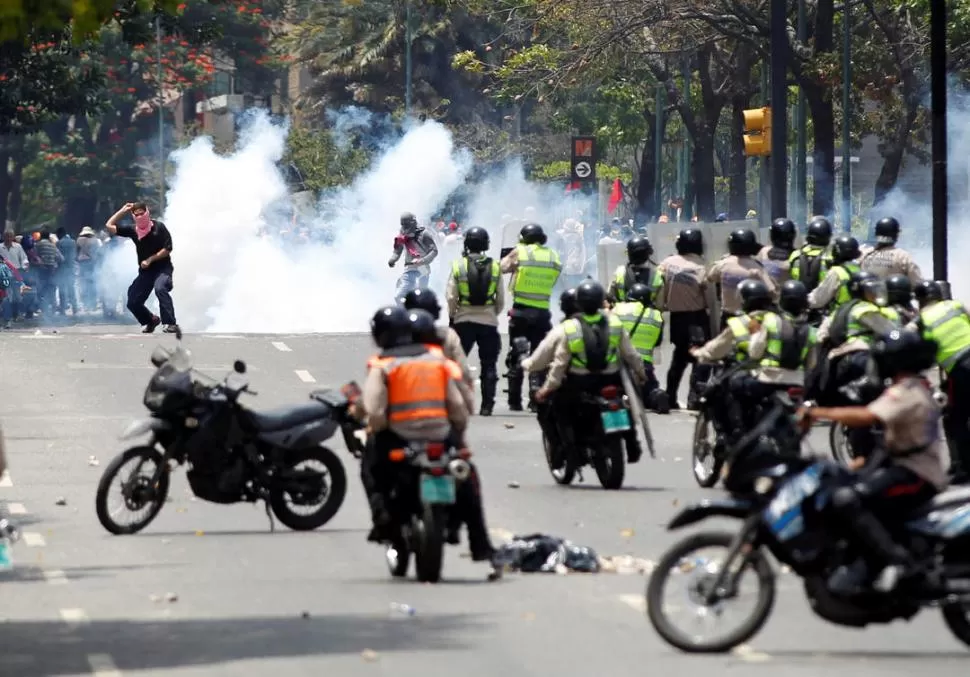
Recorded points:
(82,602)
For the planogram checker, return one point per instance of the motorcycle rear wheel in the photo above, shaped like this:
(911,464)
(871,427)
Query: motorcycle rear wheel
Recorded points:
(839,444)
(156,495)
(564,474)
(702,451)
(610,463)
(957,620)
(336,491)
(428,541)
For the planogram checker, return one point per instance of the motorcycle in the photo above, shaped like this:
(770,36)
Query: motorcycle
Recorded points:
(783,504)
(234,454)
(9,534)
(594,435)
(708,451)
(422,500)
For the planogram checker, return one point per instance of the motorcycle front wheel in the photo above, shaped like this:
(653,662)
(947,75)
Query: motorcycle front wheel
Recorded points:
(428,543)
(322,501)
(561,467)
(705,464)
(682,565)
(137,492)
(609,463)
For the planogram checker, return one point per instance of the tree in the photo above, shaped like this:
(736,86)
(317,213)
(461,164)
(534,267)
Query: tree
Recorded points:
(21,19)
(320,161)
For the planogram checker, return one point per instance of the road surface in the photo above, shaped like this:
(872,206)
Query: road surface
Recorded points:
(207,590)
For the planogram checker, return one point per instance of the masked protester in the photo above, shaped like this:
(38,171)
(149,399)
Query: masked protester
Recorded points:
(153,243)
(419,249)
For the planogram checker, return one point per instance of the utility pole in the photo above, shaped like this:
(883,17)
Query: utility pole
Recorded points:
(801,136)
(938,108)
(408,38)
(660,99)
(161,116)
(779,105)
(846,117)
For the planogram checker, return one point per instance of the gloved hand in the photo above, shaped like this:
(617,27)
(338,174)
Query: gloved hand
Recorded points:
(391,262)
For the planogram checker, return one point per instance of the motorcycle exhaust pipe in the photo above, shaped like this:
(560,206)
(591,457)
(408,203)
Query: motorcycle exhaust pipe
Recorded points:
(460,469)
(940,398)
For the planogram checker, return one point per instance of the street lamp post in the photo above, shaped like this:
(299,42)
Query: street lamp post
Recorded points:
(801,142)
(161,116)
(408,38)
(938,126)
(846,115)
(779,109)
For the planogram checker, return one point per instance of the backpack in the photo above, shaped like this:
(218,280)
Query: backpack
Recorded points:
(810,270)
(794,338)
(596,341)
(479,280)
(6,277)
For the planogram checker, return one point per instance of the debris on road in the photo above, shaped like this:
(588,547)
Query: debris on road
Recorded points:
(155,598)
(543,553)
(514,485)
(626,564)
(60,501)
(509,426)
(93,461)
(305,615)
(626,533)
(403,609)
(369,655)
(171,597)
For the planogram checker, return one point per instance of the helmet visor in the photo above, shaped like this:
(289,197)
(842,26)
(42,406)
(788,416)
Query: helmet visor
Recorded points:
(875,292)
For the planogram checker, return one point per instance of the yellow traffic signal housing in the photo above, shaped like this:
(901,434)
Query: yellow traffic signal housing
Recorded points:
(757,128)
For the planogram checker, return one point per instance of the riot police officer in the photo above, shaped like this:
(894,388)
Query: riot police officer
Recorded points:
(639,268)
(886,258)
(738,266)
(834,289)
(776,257)
(810,263)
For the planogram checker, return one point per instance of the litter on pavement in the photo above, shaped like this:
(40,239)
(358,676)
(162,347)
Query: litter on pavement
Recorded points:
(546,554)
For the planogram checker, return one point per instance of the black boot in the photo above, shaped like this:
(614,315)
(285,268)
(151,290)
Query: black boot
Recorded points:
(896,562)
(489,384)
(633,450)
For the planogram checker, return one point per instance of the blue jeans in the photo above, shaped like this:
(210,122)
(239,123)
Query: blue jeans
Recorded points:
(410,280)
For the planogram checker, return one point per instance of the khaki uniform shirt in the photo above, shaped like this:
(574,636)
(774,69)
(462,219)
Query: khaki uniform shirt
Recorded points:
(781,269)
(731,271)
(911,419)
(557,344)
(685,287)
(888,261)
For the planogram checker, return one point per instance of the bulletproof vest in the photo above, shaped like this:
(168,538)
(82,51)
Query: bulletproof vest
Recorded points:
(809,270)
(794,338)
(634,274)
(596,342)
(779,254)
(479,279)
(839,330)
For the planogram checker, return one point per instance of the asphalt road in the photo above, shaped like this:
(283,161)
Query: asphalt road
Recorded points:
(82,602)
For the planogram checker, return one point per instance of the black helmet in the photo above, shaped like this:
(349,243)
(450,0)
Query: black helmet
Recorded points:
(899,290)
(887,230)
(928,291)
(867,286)
(902,351)
(567,303)
(423,299)
(690,241)
(845,249)
(532,233)
(423,329)
(793,298)
(409,222)
(782,232)
(390,327)
(742,242)
(639,250)
(819,232)
(640,292)
(476,240)
(754,295)
(590,296)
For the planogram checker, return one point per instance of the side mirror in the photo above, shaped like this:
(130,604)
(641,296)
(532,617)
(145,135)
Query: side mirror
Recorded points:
(239,367)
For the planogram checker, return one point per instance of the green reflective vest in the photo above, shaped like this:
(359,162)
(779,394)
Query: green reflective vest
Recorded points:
(619,282)
(538,273)
(856,330)
(577,346)
(775,348)
(646,336)
(459,269)
(742,337)
(809,250)
(946,323)
(844,271)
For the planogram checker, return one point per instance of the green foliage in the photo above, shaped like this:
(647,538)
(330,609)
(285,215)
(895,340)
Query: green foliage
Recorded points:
(320,161)
(20,20)
(560,171)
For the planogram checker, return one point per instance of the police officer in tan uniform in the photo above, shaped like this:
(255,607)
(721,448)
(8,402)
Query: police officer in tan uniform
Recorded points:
(886,258)
(686,295)
(776,256)
(738,266)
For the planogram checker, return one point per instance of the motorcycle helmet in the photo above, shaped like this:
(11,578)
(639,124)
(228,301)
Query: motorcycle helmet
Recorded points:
(532,233)
(743,242)
(423,299)
(845,249)
(782,233)
(690,241)
(867,286)
(899,290)
(423,328)
(887,230)
(409,223)
(927,292)
(819,232)
(639,250)
(590,297)
(567,303)
(902,351)
(754,295)
(793,298)
(640,292)
(476,240)
(390,327)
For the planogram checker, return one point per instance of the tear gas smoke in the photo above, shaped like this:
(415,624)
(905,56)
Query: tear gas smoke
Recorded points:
(235,273)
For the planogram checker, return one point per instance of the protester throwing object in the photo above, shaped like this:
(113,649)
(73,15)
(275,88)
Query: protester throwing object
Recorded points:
(153,244)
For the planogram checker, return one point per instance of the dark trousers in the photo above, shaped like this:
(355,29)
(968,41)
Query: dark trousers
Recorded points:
(489,345)
(687,329)
(531,324)
(46,287)
(956,418)
(158,280)
(66,290)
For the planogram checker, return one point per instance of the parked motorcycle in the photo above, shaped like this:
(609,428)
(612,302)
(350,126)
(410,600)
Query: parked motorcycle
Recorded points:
(234,454)
(783,503)
(9,534)
(594,435)
(424,495)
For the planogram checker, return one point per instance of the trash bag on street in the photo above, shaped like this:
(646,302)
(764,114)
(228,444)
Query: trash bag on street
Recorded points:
(543,553)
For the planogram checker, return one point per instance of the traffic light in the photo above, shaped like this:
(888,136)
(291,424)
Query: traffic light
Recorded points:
(757,132)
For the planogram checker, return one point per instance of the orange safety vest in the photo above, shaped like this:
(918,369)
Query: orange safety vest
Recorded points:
(417,388)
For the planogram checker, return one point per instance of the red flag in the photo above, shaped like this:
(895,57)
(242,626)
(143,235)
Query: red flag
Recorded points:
(616,197)
(575,185)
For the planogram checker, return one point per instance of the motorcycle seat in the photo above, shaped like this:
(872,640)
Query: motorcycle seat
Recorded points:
(287,417)
(948,499)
